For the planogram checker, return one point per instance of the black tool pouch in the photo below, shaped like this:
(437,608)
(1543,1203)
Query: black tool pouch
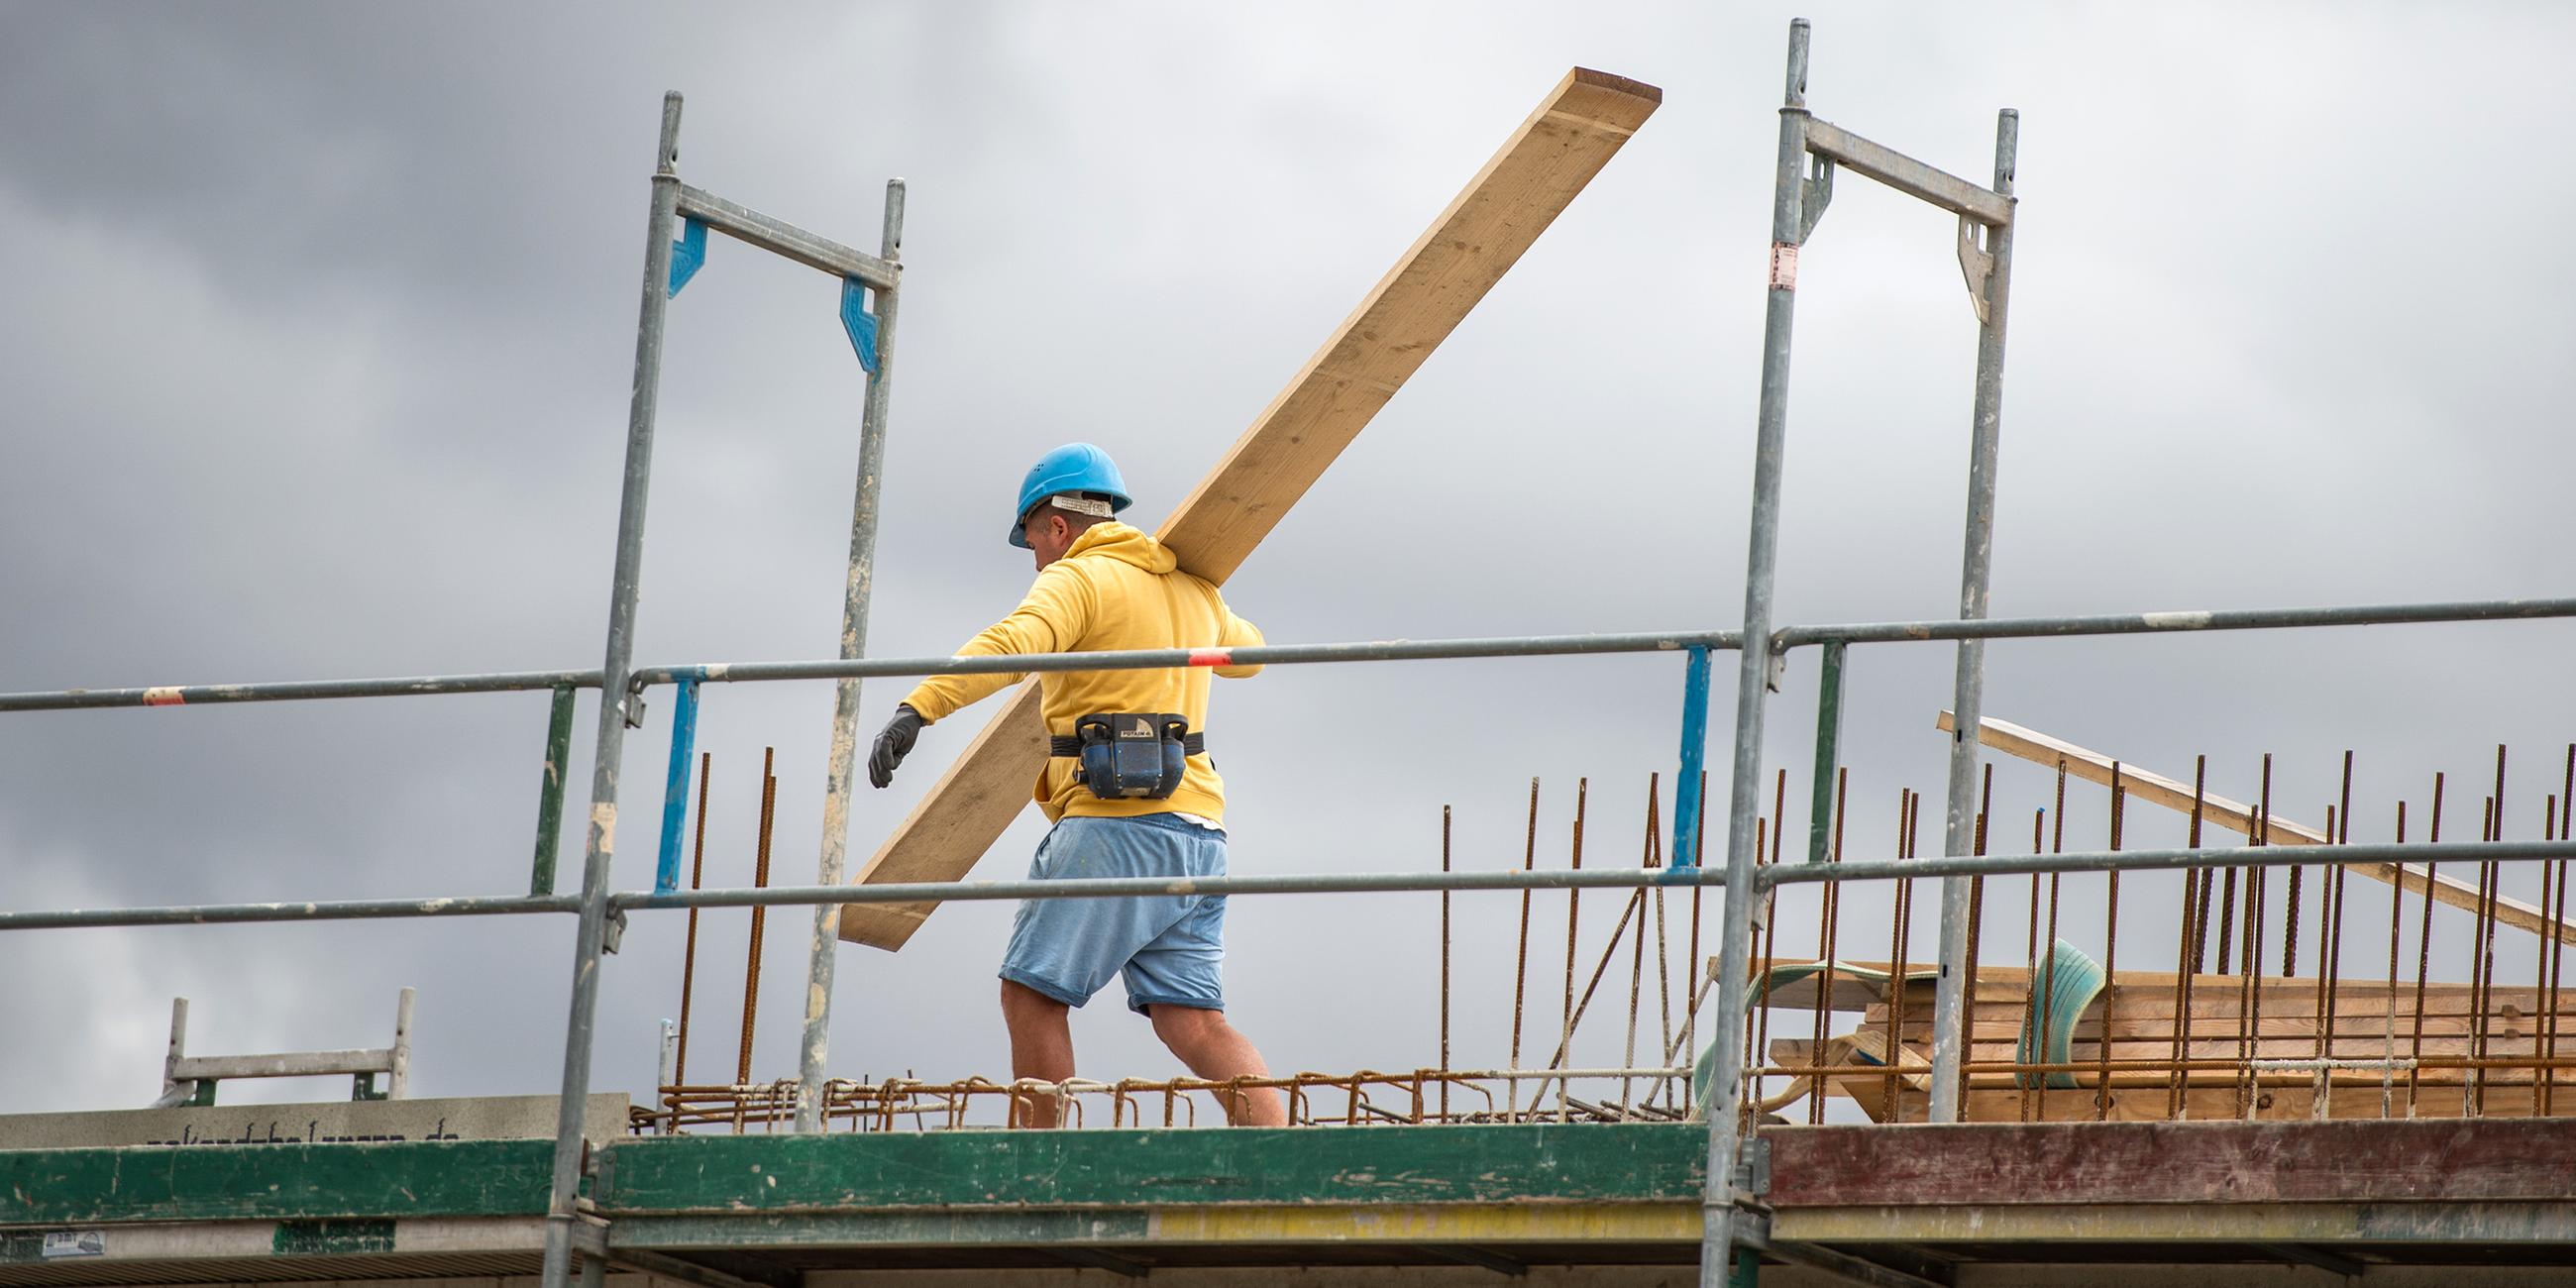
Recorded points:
(1131,755)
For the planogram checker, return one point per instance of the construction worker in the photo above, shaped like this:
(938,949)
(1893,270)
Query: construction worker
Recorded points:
(1129,787)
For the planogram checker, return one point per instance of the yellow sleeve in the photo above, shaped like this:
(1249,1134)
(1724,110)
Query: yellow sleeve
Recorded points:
(1054,617)
(1238,633)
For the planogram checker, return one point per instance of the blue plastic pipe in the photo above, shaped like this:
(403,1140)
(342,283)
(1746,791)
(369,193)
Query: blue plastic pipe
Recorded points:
(675,792)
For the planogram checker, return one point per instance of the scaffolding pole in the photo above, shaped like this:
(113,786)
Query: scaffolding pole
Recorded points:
(1753,677)
(824,953)
(1799,197)
(608,752)
(668,266)
(1989,273)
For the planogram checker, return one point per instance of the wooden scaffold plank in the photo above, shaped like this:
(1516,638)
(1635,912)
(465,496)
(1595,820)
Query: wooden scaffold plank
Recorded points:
(1580,125)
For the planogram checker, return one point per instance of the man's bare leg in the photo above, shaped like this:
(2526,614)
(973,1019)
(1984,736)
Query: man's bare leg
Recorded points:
(1216,1050)
(1041,1048)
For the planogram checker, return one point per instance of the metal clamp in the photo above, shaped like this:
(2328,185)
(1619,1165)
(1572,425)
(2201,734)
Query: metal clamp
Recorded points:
(1815,192)
(1977,264)
(688,255)
(859,323)
(1753,1167)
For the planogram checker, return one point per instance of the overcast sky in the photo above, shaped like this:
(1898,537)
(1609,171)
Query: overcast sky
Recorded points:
(319,326)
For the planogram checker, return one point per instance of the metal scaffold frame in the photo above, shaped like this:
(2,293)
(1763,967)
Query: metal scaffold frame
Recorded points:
(1810,152)
(668,266)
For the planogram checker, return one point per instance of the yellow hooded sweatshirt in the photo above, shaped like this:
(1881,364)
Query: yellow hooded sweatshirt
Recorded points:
(1116,588)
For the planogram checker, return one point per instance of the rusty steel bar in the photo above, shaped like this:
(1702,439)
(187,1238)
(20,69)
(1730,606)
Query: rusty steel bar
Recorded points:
(689,952)
(2111,945)
(759,913)
(1573,906)
(1444,957)
(1520,977)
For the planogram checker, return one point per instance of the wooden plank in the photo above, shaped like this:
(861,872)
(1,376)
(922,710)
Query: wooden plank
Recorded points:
(1593,1162)
(2199,1162)
(1577,128)
(2236,816)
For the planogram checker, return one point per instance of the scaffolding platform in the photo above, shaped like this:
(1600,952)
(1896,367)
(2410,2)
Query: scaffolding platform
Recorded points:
(1914,1205)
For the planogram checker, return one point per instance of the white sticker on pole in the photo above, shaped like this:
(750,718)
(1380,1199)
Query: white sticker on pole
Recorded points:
(1784,266)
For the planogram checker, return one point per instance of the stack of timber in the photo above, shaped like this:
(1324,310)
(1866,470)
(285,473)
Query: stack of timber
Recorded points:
(2408,1049)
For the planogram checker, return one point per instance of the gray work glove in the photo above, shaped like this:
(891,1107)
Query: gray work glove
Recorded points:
(894,742)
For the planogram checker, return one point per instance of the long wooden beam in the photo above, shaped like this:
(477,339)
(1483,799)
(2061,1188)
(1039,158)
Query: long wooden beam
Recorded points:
(2236,816)
(1577,128)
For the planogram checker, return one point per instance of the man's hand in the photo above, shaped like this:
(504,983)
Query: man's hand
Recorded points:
(894,742)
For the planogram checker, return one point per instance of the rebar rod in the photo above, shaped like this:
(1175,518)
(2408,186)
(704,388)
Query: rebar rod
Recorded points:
(1829,933)
(2557,946)
(1663,962)
(2487,930)
(2110,949)
(1699,972)
(2195,929)
(2326,930)
(2030,923)
(1902,909)
(1574,1017)
(2424,942)
(2342,836)
(2257,889)
(1520,977)
(2396,950)
(1573,895)
(689,950)
(1574,902)
(1767,928)
(1444,959)
(2048,988)
(759,913)
(1637,967)
(2540,967)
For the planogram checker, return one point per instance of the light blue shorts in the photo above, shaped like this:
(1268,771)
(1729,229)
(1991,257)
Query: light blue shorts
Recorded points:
(1167,947)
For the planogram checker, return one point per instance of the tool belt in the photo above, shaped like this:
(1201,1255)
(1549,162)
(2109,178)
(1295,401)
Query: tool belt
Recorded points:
(1130,755)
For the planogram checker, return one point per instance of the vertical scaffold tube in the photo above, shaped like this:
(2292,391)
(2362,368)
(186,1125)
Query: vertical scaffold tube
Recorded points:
(613,698)
(856,590)
(1958,835)
(1761,557)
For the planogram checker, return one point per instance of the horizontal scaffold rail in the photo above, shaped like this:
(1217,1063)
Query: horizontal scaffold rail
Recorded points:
(853,668)
(2221,619)
(1907,175)
(911,892)
(2239,619)
(785,239)
(1300,883)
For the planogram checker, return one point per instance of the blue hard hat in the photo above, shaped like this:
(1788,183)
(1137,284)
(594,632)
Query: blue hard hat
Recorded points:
(1074,467)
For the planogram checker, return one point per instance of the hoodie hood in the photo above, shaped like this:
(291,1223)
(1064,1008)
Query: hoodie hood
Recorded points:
(1126,544)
